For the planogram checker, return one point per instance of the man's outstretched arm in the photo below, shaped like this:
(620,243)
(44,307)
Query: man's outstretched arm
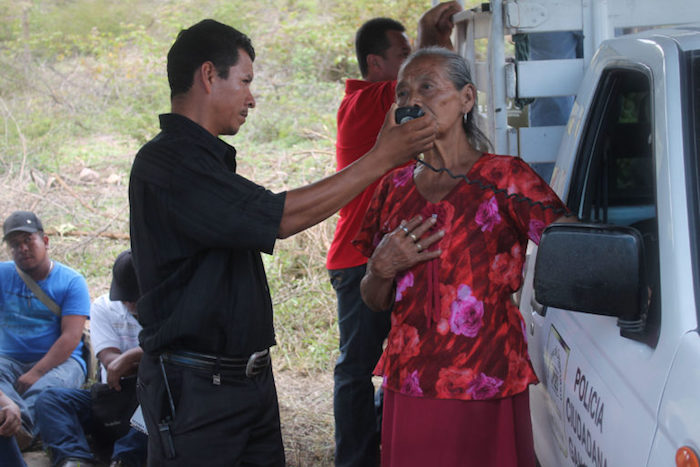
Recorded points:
(396,144)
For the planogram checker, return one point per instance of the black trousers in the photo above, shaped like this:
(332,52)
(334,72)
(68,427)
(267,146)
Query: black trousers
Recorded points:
(235,423)
(362,332)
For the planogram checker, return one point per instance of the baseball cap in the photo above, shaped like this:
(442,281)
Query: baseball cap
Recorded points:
(21,221)
(124,287)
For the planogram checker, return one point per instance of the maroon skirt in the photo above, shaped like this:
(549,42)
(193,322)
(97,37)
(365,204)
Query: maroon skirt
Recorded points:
(447,433)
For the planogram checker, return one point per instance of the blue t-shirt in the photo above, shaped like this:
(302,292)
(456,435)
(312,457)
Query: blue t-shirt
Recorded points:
(28,328)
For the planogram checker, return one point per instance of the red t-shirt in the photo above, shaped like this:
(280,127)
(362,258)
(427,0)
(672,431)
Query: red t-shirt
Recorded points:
(360,117)
(455,334)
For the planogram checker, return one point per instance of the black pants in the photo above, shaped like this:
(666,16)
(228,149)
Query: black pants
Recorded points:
(362,332)
(235,423)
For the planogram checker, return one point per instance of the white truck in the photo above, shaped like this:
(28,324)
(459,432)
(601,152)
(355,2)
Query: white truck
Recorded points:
(611,304)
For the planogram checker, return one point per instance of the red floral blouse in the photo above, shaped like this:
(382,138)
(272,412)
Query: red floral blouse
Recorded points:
(455,334)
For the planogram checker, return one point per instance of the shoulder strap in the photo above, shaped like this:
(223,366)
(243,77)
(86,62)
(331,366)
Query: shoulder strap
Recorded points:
(40,294)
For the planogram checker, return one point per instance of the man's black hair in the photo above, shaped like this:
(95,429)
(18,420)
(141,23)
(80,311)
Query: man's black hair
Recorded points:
(205,41)
(371,38)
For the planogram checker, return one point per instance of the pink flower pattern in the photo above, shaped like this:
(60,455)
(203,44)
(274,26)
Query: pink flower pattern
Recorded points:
(535,229)
(401,178)
(484,387)
(467,313)
(411,385)
(404,283)
(487,215)
(474,348)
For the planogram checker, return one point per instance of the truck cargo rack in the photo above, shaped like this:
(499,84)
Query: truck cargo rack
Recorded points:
(500,79)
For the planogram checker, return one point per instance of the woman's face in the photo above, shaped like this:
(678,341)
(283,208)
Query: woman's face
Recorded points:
(424,82)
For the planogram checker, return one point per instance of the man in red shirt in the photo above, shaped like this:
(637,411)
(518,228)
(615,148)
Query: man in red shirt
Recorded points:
(381,46)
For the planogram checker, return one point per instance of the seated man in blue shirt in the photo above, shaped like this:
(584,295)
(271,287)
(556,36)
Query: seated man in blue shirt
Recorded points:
(43,308)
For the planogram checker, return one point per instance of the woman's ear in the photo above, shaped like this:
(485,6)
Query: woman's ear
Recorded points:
(468,96)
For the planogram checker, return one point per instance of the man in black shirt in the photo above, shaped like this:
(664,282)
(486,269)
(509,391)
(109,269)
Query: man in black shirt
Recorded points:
(197,230)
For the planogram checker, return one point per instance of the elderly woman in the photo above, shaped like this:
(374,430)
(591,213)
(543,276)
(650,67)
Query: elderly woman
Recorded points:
(455,368)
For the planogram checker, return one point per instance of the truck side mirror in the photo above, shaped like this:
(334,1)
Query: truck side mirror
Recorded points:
(596,269)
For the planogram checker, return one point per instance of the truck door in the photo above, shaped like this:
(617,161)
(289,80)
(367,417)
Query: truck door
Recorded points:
(678,426)
(597,398)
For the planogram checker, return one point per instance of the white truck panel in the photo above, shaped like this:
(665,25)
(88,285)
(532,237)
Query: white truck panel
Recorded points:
(480,23)
(540,144)
(549,77)
(592,399)
(606,15)
(678,423)
(550,15)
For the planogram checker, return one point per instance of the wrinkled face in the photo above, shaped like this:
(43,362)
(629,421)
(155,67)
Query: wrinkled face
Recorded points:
(232,96)
(394,56)
(28,250)
(424,82)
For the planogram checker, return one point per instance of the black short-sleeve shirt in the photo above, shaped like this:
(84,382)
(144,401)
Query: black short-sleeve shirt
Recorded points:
(197,230)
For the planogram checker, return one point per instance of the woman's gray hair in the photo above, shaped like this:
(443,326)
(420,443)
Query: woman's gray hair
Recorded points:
(459,74)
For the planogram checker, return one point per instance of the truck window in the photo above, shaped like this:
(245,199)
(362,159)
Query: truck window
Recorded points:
(691,102)
(614,180)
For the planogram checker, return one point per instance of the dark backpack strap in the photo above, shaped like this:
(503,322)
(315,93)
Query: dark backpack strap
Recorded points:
(40,294)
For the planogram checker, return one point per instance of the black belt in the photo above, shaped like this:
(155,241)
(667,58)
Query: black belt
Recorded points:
(217,365)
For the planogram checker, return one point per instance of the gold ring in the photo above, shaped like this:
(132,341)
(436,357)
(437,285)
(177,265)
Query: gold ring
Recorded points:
(413,237)
(419,246)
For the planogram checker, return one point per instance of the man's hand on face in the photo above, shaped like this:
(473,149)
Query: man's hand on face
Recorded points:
(400,143)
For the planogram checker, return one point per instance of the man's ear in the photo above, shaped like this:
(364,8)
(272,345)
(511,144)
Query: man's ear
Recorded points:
(205,74)
(374,64)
